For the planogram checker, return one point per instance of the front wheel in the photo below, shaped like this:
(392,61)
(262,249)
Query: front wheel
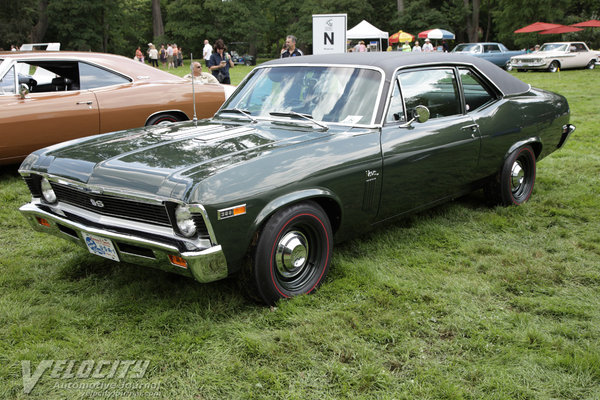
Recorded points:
(553,67)
(513,185)
(292,255)
(508,67)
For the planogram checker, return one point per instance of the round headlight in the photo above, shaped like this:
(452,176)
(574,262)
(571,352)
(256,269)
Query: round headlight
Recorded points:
(47,191)
(185,223)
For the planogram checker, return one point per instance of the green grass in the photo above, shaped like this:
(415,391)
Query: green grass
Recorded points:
(459,302)
(236,73)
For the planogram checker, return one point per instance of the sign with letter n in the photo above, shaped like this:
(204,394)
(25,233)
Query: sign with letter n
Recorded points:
(329,33)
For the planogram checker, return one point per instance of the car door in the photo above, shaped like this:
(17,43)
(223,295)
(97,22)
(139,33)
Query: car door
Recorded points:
(49,114)
(424,163)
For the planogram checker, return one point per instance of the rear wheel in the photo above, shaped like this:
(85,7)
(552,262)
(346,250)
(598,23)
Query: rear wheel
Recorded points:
(163,119)
(292,255)
(508,67)
(513,185)
(553,67)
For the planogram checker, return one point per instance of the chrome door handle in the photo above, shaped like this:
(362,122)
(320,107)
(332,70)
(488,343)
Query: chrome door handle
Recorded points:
(472,127)
(89,103)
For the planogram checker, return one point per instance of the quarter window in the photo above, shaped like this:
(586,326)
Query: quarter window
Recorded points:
(93,77)
(476,94)
(7,83)
(436,89)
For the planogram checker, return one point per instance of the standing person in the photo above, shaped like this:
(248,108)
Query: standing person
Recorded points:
(361,46)
(289,49)
(153,56)
(406,47)
(416,47)
(175,55)
(138,54)
(207,52)
(445,48)
(170,57)
(220,62)
(179,56)
(427,47)
(163,55)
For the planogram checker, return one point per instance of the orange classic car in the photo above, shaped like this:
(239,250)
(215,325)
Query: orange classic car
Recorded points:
(51,97)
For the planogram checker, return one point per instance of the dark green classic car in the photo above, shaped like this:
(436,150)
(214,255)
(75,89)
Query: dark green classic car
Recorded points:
(308,151)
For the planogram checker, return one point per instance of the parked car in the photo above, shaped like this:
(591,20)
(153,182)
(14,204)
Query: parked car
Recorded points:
(307,151)
(239,53)
(495,53)
(557,55)
(50,97)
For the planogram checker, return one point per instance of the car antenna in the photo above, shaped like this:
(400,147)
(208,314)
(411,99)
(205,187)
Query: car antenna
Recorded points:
(193,86)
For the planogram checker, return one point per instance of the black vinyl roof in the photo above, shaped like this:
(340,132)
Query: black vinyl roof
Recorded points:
(393,60)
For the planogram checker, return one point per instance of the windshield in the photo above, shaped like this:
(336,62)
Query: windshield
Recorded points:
(554,47)
(466,48)
(345,95)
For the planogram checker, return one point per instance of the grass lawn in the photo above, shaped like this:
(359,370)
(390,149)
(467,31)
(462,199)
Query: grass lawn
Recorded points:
(459,302)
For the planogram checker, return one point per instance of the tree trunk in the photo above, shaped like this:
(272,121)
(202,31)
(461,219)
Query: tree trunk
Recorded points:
(400,6)
(473,20)
(157,22)
(39,30)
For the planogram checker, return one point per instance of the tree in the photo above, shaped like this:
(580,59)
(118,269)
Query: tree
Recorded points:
(157,22)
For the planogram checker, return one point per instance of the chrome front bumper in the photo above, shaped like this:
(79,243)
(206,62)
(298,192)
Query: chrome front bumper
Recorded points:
(205,265)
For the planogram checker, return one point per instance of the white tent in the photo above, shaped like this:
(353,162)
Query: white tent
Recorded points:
(365,30)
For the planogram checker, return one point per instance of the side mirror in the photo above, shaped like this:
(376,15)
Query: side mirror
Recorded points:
(23,90)
(420,114)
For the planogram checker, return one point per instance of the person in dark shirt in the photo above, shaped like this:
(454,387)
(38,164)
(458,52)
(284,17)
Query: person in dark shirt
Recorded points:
(289,49)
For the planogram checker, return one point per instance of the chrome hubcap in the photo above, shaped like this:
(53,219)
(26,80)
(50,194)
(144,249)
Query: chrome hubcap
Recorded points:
(517,176)
(292,254)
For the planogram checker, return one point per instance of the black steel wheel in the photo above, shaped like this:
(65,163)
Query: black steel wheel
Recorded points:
(553,67)
(513,185)
(292,255)
(162,119)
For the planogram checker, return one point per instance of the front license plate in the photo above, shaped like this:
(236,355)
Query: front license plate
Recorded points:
(100,246)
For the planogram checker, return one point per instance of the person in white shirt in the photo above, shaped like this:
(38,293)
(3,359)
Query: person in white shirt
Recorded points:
(427,47)
(199,76)
(416,47)
(206,53)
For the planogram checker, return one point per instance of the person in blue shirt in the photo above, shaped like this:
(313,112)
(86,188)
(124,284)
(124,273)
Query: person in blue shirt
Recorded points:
(220,62)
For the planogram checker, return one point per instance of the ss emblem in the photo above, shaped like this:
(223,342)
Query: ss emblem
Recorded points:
(97,203)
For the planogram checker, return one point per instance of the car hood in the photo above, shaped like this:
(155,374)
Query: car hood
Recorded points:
(165,161)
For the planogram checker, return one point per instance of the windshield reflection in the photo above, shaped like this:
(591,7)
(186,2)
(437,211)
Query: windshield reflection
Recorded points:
(345,95)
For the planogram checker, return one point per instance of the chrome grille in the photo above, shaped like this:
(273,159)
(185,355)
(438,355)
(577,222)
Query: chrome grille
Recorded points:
(33,183)
(112,206)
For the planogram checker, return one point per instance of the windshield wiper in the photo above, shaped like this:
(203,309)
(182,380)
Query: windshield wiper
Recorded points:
(245,113)
(295,114)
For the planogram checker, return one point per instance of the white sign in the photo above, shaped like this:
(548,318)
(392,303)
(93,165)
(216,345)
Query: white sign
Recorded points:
(329,33)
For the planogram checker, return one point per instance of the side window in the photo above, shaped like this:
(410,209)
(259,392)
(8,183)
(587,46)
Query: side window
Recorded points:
(475,91)
(91,77)
(436,89)
(396,110)
(491,48)
(7,83)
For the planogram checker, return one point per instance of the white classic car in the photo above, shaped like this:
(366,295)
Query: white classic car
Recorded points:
(552,56)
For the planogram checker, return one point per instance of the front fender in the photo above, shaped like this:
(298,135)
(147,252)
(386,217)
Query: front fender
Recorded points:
(290,198)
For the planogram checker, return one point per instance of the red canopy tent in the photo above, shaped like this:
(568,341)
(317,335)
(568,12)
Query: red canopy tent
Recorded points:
(537,26)
(560,29)
(592,23)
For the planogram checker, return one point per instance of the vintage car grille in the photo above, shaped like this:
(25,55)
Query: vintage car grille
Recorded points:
(112,206)
(33,183)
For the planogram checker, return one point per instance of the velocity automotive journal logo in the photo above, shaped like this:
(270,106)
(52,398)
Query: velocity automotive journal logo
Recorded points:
(100,371)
